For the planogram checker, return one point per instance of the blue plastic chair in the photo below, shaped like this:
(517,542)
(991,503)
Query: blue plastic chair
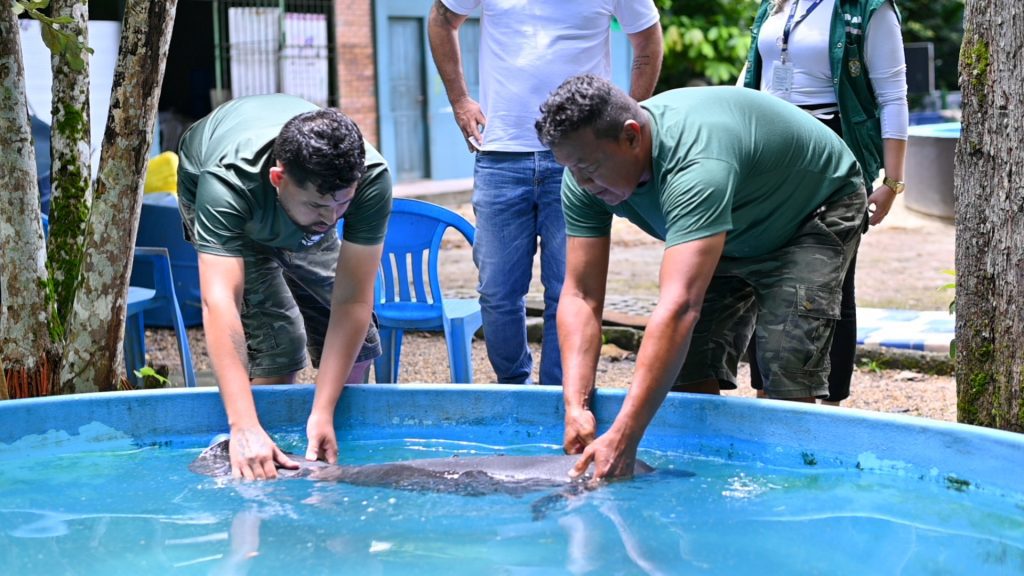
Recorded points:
(155,292)
(408,295)
(160,225)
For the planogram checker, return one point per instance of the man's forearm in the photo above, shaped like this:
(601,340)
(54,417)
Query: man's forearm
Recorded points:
(579,336)
(225,340)
(661,355)
(443,32)
(648,51)
(341,347)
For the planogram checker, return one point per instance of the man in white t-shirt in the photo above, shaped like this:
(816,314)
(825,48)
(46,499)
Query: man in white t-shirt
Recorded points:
(526,50)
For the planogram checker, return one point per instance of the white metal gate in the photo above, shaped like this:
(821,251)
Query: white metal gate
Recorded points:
(271,46)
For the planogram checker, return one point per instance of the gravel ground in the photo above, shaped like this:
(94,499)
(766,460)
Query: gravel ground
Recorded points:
(901,392)
(901,265)
(424,360)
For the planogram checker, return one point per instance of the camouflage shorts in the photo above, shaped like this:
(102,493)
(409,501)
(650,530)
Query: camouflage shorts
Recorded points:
(286,305)
(792,295)
(286,308)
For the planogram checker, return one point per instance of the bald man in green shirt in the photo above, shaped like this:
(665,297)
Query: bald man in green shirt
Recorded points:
(761,208)
(263,182)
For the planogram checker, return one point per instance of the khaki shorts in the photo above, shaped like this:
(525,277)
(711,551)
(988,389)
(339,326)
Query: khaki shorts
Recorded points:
(792,295)
(286,305)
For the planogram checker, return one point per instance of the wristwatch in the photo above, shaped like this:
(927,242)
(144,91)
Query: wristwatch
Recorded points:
(896,186)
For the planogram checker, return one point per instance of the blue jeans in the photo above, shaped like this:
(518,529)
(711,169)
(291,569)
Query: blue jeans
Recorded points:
(517,198)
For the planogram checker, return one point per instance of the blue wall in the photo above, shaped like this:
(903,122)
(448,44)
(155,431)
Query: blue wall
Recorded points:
(449,157)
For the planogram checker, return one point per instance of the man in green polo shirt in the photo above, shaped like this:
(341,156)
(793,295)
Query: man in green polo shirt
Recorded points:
(760,207)
(262,183)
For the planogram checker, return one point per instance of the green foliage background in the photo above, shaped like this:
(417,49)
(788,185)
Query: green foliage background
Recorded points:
(707,40)
(941,22)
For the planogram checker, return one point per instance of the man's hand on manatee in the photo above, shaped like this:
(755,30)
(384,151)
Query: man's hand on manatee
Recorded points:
(612,454)
(580,429)
(323,443)
(254,456)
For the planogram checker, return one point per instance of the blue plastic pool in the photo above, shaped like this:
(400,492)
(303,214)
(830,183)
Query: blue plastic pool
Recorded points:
(931,151)
(98,484)
(940,130)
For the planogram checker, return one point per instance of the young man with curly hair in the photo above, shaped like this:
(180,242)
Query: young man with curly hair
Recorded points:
(263,182)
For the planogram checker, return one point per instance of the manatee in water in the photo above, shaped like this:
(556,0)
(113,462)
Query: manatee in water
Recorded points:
(474,476)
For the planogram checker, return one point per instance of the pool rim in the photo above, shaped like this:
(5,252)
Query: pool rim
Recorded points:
(741,429)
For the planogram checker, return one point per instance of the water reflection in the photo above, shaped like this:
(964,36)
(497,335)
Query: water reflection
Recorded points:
(243,545)
(604,538)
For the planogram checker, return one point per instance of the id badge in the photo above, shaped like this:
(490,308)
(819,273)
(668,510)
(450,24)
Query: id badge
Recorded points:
(782,77)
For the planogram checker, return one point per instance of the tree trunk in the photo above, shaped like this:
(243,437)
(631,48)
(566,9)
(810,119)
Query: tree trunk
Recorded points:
(989,204)
(93,355)
(70,147)
(25,346)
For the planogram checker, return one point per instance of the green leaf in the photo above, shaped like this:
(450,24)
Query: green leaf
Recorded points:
(693,36)
(53,39)
(32,6)
(75,60)
(150,372)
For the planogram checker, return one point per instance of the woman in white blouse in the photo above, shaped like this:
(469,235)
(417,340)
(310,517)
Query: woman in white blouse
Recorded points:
(843,62)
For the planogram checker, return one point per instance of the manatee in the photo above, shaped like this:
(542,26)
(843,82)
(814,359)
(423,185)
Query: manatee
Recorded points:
(474,476)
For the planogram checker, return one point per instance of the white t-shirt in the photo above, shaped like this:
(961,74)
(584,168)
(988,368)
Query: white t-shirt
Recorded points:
(529,47)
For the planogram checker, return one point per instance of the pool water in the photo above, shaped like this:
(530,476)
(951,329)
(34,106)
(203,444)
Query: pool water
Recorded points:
(940,130)
(119,509)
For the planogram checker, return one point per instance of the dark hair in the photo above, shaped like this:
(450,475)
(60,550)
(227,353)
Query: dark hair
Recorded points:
(324,147)
(585,101)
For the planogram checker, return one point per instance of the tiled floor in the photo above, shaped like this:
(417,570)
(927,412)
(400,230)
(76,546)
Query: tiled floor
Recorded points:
(929,331)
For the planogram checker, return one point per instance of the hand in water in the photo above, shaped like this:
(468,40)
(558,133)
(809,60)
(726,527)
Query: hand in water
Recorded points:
(254,456)
(323,444)
(613,456)
(580,429)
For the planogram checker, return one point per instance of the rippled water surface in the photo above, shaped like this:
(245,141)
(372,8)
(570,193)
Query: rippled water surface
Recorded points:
(128,510)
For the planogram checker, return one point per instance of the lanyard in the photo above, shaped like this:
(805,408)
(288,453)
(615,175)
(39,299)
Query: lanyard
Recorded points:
(790,24)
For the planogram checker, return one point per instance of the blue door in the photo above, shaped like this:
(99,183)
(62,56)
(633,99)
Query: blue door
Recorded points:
(408,97)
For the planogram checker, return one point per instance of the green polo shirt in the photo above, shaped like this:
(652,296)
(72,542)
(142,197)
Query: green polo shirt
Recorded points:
(225,160)
(725,159)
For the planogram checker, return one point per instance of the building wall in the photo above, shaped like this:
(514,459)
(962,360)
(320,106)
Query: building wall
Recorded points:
(357,78)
